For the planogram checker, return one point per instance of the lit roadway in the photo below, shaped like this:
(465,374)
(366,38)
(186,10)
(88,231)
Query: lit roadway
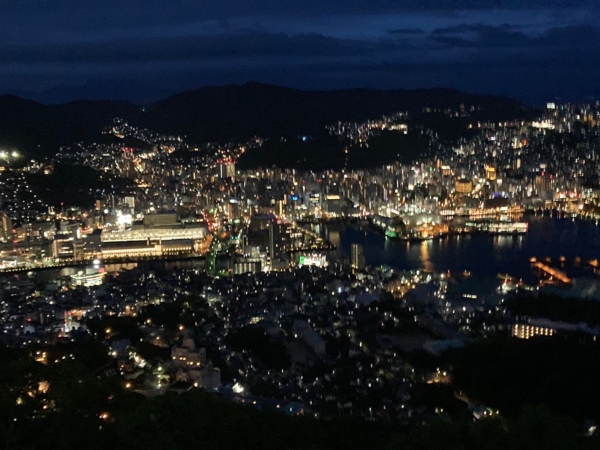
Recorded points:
(72,263)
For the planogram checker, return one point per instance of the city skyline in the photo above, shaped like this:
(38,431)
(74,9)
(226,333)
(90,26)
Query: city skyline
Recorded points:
(359,225)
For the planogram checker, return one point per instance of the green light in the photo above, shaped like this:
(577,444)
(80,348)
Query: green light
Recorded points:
(302,260)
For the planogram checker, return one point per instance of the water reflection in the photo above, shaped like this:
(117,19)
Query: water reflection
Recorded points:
(481,254)
(334,237)
(425,262)
(508,242)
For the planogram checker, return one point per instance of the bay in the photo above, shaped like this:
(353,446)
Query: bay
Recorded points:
(483,255)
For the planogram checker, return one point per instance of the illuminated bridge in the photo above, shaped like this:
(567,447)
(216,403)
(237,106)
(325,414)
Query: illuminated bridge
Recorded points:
(553,273)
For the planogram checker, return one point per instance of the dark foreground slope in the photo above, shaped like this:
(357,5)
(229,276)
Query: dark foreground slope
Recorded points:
(81,410)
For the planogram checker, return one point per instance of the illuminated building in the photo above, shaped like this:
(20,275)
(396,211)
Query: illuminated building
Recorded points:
(496,227)
(545,124)
(424,226)
(78,250)
(160,219)
(232,209)
(335,205)
(463,186)
(314,260)
(280,208)
(130,202)
(194,367)
(7,229)
(62,246)
(189,231)
(158,227)
(226,168)
(267,235)
(89,278)
(134,249)
(247,265)
(315,199)
(526,331)
(398,127)
(490,173)
(357,257)
(517,164)
(542,185)
(11,261)
(393,228)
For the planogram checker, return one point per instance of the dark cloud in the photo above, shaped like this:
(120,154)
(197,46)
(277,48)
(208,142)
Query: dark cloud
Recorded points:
(573,44)
(406,32)
(247,45)
(144,49)
(437,46)
(104,15)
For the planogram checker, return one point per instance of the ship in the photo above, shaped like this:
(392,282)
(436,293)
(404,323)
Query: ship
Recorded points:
(496,227)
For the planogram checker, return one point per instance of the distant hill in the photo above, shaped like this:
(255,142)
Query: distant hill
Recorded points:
(240,111)
(326,152)
(226,112)
(39,130)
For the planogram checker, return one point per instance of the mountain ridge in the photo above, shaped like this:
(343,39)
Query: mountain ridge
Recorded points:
(226,112)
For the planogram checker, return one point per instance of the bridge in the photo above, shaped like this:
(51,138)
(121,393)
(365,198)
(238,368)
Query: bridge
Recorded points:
(553,273)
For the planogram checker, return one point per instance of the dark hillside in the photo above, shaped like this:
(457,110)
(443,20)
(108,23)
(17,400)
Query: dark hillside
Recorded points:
(232,112)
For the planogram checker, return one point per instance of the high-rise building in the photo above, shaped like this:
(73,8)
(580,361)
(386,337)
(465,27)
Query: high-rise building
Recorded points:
(226,168)
(78,250)
(232,209)
(130,202)
(542,186)
(358,258)
(280,208)
(7,228)
(272,240)
(267,235)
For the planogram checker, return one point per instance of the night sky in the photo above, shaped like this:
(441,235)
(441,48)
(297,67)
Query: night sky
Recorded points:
(143,50)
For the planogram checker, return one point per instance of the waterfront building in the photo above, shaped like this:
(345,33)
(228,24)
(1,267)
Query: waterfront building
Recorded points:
(162,226)
(148,248)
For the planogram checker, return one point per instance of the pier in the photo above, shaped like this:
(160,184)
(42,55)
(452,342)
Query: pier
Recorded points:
(551,272)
